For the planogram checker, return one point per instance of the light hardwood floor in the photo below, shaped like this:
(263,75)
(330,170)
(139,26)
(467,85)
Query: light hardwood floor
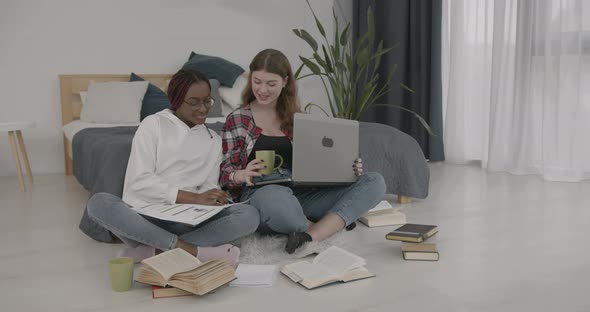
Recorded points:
(507,243)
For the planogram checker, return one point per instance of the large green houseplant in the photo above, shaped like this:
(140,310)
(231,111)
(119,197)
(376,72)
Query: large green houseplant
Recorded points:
(349,75)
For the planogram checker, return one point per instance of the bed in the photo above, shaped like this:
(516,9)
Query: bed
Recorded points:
(71,105)
(97,153)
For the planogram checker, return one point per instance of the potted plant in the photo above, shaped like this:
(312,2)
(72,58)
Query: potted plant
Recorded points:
(349,75)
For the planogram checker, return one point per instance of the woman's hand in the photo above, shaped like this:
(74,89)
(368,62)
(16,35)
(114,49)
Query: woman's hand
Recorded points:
(357,167)
(245,175)
(212,197)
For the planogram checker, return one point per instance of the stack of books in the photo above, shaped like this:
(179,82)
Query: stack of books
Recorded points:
(383,214)
(413,236)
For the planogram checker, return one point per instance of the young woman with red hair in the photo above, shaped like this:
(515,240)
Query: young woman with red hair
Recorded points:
(175,158)
(265,122)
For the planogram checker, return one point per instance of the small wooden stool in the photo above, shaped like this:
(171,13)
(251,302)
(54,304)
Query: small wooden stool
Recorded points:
(14,134)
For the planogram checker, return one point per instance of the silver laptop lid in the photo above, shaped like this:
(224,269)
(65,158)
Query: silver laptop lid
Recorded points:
(324,149)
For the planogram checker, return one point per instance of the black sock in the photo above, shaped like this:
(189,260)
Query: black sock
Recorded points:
(296,240)
(351,226)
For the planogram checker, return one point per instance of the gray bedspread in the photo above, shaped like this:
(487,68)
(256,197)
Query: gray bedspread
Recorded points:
(101,156)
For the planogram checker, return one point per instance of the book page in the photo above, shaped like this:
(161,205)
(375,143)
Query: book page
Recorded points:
(338,260)
(382,206)
(310,272)
(171,262)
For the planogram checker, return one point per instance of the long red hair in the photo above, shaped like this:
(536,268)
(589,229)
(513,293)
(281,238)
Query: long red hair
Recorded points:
(275,62)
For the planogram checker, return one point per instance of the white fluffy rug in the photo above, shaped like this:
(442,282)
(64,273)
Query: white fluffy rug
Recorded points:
(259,249)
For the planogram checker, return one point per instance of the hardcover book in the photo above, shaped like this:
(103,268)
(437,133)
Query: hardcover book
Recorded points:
(167,292)
(413,233)
(383,218)
(180,269)
(423,251)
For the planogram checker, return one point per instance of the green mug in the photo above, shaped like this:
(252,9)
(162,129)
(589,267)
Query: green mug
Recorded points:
(269,158)
(121,272)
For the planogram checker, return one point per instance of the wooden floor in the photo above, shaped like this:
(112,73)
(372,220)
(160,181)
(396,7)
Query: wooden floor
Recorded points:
(507,243)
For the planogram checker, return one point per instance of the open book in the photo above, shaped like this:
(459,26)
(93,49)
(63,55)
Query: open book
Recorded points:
(331,265)
(180,269)
(190,214)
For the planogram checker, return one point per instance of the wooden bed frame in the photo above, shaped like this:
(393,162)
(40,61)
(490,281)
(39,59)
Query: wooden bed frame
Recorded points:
(71,104)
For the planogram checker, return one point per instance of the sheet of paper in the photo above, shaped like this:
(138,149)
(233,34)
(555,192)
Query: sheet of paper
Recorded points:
(252,275)
(191,214)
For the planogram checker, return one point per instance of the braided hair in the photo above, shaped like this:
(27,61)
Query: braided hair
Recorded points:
(180,83)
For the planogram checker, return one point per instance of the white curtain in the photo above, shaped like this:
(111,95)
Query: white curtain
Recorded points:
(516,86)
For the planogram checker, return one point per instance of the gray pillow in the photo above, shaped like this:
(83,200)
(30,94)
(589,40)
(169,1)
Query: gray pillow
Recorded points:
(215,110)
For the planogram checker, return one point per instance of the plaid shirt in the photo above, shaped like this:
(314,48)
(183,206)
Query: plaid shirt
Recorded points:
(239,134)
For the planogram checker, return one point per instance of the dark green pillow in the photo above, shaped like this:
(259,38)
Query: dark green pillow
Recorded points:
(154,99)
(214,67)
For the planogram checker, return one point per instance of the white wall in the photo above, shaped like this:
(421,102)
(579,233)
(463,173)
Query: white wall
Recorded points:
(41,39)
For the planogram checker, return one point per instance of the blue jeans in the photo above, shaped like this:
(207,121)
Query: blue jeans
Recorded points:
(285,210)
(132,228)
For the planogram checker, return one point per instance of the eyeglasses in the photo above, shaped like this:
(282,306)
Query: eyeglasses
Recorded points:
(196,104)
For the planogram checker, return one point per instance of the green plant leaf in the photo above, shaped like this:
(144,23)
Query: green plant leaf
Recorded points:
(344,35)
(363,57)
(341,67)
(311,65)
(317,21)
(370,26)
(309,39)
(309,105)
(420,119)
(298,72)
(327,59)
(320,61)
(349,62)
(311,74)
(401,84)
(336,47)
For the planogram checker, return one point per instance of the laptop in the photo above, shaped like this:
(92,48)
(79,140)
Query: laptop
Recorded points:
(324,150)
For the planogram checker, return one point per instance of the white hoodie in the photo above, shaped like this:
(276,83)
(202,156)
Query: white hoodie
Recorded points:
(168,156)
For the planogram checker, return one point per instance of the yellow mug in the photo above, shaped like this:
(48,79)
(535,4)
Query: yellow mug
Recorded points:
(121,273)
(269,159)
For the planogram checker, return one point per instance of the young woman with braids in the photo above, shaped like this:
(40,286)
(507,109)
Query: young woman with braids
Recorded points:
(175,158)
(265,122)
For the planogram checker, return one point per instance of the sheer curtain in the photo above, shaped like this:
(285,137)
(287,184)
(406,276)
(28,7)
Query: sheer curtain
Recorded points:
(516,85)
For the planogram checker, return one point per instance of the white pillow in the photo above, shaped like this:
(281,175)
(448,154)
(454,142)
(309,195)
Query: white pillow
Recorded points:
(233,96)
(83,95)
(117,102)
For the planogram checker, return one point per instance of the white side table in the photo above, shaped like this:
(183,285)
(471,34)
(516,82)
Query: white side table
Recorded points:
(14,134)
